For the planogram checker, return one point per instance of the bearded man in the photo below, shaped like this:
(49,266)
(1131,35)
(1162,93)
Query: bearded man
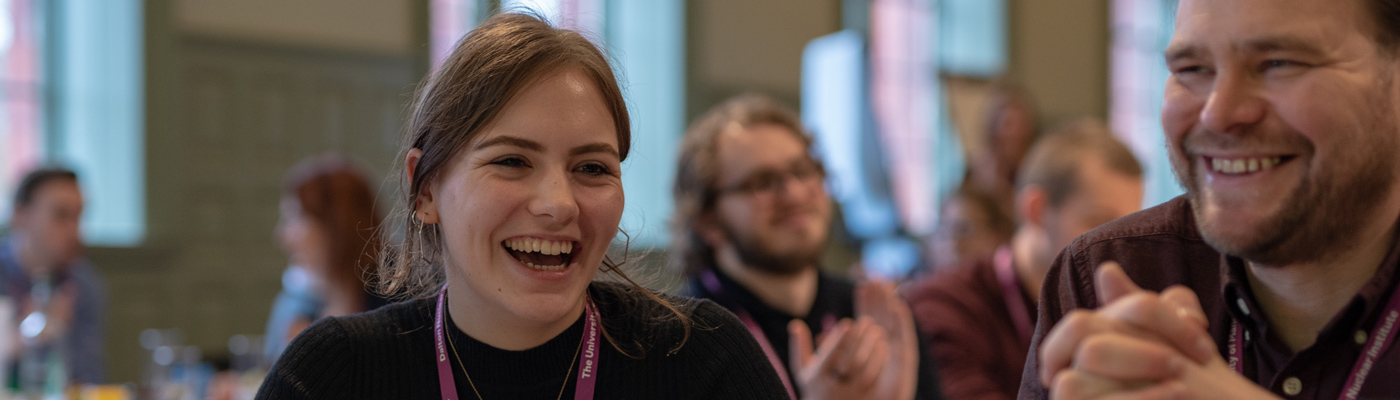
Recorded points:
(1279,265)
(752,217)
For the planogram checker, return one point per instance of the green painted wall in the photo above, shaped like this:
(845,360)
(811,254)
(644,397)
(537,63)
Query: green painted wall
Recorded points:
(226,115)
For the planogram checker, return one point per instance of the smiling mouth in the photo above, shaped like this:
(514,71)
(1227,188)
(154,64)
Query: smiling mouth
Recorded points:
(1245,166)
(540,254)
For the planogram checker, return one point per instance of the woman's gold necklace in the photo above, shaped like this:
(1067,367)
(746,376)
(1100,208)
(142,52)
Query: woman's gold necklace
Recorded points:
(561,387)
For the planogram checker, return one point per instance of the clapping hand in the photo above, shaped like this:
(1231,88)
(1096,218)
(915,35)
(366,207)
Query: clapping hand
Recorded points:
(878,301)
(846,365)
(872,357)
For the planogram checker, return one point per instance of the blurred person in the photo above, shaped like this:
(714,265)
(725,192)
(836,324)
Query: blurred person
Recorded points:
(978,218)
(41,262)
(1278,269)
(971,226)
(513,193)
(295,306)
(1010,130)
(752,217)
(329,229)
(978,317)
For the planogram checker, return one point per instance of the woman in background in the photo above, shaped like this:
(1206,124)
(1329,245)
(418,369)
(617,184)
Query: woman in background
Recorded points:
(513,195)
(971,226)
(329,230)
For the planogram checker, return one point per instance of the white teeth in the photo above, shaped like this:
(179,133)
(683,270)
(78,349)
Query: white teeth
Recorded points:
(546,247)
(546,267)
(1244,165)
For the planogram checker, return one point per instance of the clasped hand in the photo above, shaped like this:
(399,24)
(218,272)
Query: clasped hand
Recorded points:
(1138,345)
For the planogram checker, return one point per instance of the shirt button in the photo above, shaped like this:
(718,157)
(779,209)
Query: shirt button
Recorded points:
(1360,337)
(1292,386)
(1243,308)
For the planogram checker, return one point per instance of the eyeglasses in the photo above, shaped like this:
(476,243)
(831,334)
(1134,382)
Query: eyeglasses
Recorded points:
(771,181)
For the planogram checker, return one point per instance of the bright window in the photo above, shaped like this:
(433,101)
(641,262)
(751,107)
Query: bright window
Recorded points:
(96,120)
(72,96)
(1141,32)
(450,19)
(21,95)
(889,182)
(972,37)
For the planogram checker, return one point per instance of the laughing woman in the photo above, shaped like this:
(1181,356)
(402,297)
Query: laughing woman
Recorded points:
(514,192)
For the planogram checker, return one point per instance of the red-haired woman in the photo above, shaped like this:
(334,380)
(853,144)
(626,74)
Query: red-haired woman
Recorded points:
(329,229)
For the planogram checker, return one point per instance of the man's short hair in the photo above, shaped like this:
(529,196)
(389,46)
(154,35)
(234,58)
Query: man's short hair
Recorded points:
(696,188)
(1386,15)
(1054,163)
(30,184)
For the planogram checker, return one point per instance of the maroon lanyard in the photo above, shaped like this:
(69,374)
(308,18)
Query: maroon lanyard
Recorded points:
(711,282)
(587,363)
(1380,339)
(1011,290)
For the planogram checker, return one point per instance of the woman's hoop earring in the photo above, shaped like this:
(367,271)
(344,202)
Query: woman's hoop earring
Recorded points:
(418,238)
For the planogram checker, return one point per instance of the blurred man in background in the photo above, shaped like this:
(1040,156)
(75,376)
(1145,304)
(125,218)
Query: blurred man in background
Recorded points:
(42,272)
(978,317)
(752,217)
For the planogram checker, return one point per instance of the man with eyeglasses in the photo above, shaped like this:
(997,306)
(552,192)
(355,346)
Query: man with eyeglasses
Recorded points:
(752,217)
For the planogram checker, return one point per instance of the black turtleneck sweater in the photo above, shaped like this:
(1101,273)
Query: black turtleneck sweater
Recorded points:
(388,354)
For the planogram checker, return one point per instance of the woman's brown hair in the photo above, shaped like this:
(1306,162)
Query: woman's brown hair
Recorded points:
(492,64)
(334,193)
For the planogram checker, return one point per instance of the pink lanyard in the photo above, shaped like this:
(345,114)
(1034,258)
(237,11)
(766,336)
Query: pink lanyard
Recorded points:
(587,363)
(1011,289)
(1382,336)
(712,283)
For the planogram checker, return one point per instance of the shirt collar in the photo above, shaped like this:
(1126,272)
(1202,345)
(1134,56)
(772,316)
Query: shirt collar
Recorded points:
(1239,296)
(1244,307)
(9,261)
(11,273)
(738,295)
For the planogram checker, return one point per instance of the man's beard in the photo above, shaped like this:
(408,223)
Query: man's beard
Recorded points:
(1321,217)
(753,253)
